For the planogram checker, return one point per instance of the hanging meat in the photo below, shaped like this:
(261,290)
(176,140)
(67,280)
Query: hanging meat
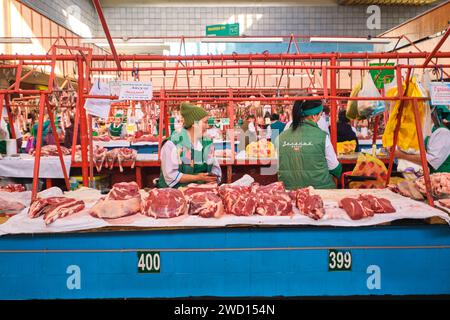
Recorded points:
(121,154)
(164,203)
(54,208)
(123,200)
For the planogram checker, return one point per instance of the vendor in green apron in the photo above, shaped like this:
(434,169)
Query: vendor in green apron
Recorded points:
(306,156)
(117,129)
(188,156)
(437,145)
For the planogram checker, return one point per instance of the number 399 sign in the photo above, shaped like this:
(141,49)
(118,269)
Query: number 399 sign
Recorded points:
(339,260)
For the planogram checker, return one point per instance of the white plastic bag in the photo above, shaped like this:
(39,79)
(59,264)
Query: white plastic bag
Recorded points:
(98,107)
(369,108)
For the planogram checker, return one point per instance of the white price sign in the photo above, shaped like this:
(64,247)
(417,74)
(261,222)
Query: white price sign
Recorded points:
(440,93)
(135,90)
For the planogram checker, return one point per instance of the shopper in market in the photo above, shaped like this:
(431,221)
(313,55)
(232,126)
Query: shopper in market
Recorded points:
(305,154)
(345,131)
(249,129)
(437,145)
(188,156)
(276,126)
(117,129)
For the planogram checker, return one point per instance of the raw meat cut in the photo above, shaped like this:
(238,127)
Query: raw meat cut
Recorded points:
(355,209)
(12,187)
(164,203)
(146,138)
(238,200)
(365,206)
(121,154)
(10,207)
(407,189)
(440,184)
(99,156)
(123,200)
(206,205)
(274,204)
(271,188)
(51,150)
(194,188)
(310,205)
(445,203)
(103,137)
(54,207)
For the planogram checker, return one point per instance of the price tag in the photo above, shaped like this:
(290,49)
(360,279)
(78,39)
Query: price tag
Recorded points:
(339,260)
(149,261)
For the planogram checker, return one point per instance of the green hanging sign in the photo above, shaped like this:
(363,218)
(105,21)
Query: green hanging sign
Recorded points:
(223,30)
(380,77)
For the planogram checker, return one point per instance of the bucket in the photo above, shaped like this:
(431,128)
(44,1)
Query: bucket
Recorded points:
(11,146)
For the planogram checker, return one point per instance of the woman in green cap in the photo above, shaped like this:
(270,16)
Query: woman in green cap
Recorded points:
(117,129)
(437,145)
(305,154)
(188,156)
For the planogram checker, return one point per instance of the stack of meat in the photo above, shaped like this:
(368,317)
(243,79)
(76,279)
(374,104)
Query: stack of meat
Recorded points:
(203,200)
(12,187)
(51,150)
(365,205)
(121,154)
(310,205)
(164,203)
(123,200)
(440,184)
(54,208)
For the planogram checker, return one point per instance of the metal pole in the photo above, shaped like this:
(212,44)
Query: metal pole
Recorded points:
(423,155)
(333,105)
(160,124)
(37,155)
(436,48)
(83,124)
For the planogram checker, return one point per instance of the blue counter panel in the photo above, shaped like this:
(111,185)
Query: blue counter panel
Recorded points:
(227,262)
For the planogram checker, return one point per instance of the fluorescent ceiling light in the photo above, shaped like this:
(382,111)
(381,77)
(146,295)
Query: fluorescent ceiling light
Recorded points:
(104,76)
(236,39)
(123,41)
(349,40)
(227,76)
(15,40)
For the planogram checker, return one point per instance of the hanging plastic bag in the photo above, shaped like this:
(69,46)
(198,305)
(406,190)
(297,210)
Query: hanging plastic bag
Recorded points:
(98,107)
(369,166)
(369,108)
(352,105)
(407,136)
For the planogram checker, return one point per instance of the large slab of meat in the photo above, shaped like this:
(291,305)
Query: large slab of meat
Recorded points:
(103,137)
(12,187)
(54,208)
(203,200)
(440,184)
(272,199)
(407,189)
(310,205)
(10,207)
(51,150)
(123,200)
(445,203)
(164,203)
(121,154)
(238,200)
(365,205)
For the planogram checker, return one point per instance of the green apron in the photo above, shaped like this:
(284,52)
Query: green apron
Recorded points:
(302,160)
(190,161)
(115,131)
(445,167)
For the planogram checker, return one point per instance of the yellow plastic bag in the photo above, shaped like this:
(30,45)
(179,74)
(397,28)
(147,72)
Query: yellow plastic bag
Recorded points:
(346,147)
(352,105)
(260,149)
(368,165)
(407,136)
